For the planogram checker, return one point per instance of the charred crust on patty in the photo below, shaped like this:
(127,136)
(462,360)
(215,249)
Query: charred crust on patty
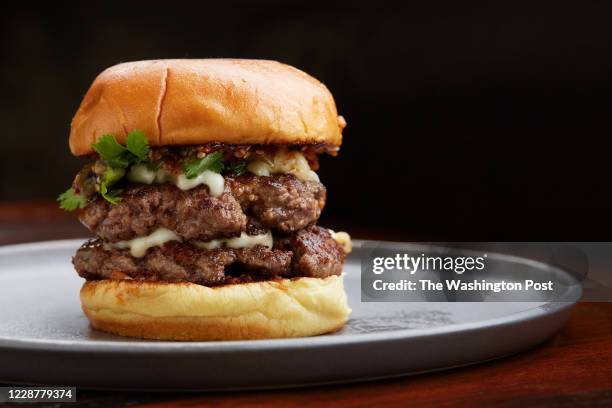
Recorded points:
(280,203)
(311,252)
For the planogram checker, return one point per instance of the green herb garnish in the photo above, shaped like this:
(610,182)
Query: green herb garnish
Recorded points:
(137,144)
(111,176)
(116,155)
(108,148)
(69,200)
(238,168)
(118,158)
(212,161)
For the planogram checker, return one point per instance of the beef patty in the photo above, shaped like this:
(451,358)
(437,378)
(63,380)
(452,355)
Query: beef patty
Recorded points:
(311,252)
(282,203)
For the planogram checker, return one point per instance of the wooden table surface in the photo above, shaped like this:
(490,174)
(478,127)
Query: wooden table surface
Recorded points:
(573,369)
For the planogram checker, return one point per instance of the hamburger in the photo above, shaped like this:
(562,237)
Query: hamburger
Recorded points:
(203,195)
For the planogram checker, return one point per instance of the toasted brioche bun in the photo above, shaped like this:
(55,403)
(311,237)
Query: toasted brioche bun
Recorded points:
(185,311)
(196,101)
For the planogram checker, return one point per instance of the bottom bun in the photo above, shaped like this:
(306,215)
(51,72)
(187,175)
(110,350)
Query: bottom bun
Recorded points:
(186,311)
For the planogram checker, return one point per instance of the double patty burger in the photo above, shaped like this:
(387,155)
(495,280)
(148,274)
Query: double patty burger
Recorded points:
(204,198)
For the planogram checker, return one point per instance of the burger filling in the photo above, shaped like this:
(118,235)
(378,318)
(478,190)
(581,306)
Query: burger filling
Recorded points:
(213,214)
(311,252)
(278,202)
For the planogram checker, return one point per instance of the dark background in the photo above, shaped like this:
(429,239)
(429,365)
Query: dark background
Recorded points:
(467,121)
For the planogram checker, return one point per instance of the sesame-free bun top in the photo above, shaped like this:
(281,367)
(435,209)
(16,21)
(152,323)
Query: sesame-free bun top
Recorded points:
(196,101)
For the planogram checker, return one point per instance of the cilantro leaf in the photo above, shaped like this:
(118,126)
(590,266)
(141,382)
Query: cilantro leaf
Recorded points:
(111,176)
(118,158)
(137,144)
(121,162)
(69,200)
(116,155)
(113,196)
(108,148)
(212,161)
(238,168)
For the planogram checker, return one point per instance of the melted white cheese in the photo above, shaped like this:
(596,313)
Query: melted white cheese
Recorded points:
(259,168)
(139,173)
(138,246)
(243,241)
(213,180)
(343,239)
(284,161)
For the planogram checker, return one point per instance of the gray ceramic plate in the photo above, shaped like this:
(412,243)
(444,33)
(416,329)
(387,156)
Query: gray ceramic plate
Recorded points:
(45,339)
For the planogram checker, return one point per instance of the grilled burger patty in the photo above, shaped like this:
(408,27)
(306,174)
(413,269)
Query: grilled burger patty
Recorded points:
(282,203)
(310,252)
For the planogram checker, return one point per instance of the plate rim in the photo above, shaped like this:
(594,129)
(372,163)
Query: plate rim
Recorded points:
(154,347)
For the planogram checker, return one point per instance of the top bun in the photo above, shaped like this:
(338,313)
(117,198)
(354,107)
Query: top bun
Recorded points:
(196,101)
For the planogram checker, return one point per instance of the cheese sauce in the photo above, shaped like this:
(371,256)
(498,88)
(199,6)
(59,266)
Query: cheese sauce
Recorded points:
(138,246)
(243,241)
(140,173)
(343,239)
(284,161)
